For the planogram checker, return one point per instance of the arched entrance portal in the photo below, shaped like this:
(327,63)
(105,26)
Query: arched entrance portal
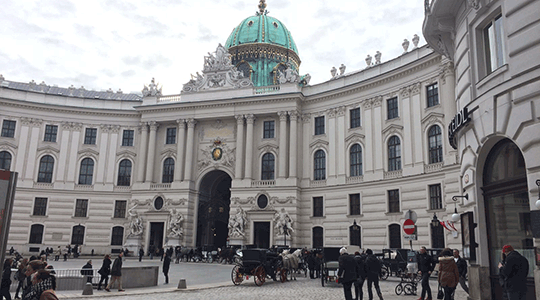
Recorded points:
(213,212)
(508,214)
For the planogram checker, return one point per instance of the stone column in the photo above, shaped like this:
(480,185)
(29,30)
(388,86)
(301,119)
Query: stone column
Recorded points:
(331,157)
(293,144)
(282,144)
(180,144)
(250,119)
(143,145)
(340,142)
(34,126)
(189,148)
(307,131)
(151,151)
(239,146)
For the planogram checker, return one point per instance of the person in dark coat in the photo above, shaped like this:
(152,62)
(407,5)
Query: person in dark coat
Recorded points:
(515,271)
(462,269)
(426,264)
(141,254)
(373,267)
(362,275)
(347,272)
(20,276)
(87,271)
(310,259)
(116,273)
(166,265)
(105,271)
(6,279)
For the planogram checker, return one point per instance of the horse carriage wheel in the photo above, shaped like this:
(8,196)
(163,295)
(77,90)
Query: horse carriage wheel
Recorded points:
(236,276)
(259,276)
(384,272)
(282,274)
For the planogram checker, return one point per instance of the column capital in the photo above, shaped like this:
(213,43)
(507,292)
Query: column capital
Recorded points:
(239,119)
(294,114)
(250,118)
(153,125)
(340,111)
(282,116)
(181,123)
(191,123)
(306,118)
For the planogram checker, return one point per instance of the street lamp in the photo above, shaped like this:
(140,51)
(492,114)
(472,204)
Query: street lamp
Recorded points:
(538,201)
(455,215)
(435,222)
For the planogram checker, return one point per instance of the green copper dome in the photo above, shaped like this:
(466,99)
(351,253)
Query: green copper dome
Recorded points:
(260,45)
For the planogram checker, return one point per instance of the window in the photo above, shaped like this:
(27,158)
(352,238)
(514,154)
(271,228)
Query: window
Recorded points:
(319,163)
(393,201)
(355,237)
(124,173)
(87,171)
(117,237)
(435,144)
(354,204)
(437,236)
(432,92)
(317,206)
(120,208)
(171,136)
(90,136)
(8,128)
(50,133)
(168,170)
(5,160)
(268,130)
(81,208)
(40,207)
(435,199)
(394,154)
(394,232)
(36,234)
(318,239)
(127,138)
(493,44)
(355,117)
(356,160)
(262,201)
(319,125)
(77,235)
(392,107)
(267,170)
(46,166)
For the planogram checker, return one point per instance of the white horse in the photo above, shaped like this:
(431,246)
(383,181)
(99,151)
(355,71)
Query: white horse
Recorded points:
(291,261)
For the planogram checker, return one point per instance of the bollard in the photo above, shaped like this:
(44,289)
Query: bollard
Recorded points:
(182,283)
(88,289)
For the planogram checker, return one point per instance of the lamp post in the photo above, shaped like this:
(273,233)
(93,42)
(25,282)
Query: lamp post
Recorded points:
(435,221)
(455,215)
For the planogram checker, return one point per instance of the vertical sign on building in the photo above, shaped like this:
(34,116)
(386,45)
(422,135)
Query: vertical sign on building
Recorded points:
(8,182)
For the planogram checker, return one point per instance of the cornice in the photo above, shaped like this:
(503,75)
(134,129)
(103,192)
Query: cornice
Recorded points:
(355,136)
(48,149)
(392,128)
(88,151)
(318,142)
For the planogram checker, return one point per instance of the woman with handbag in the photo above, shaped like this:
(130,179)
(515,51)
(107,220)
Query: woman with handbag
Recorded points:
(105,271)
(448,274)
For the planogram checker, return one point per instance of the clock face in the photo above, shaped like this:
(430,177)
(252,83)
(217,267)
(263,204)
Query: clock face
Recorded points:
(217,153)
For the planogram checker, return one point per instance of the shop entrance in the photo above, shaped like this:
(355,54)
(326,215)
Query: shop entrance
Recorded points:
(261,237)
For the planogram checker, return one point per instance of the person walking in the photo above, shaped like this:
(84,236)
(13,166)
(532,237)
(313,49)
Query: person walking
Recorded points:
(426,264)
(347,273)
(6,279)
(448,273)
(166,265)
(373,267)
(515,270)
(116,273)
(141,254)
(362,274)
(87,271)
(105,271)
(462,269)
(20,276)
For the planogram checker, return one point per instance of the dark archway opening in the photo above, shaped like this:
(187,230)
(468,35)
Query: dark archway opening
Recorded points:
(213,211)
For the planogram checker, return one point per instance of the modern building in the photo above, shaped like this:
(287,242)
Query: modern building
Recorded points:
(494,46)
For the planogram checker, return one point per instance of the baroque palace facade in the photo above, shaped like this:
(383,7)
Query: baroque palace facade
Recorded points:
(247,153)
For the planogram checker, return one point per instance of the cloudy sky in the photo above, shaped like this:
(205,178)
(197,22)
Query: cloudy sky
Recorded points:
(122,44)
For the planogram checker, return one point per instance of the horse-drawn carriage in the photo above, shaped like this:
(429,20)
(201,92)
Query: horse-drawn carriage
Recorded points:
(259,263)
(393,262)
(329,265)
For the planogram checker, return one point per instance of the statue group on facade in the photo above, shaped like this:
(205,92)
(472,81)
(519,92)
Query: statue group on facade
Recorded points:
(175,229)
(135,222)
(152,89)
(288,75)
(283,223)
(237,223)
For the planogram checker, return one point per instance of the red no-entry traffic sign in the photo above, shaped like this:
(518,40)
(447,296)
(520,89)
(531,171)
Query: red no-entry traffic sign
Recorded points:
(408,226)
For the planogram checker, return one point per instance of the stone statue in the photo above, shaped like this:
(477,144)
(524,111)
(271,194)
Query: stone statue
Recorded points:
(237,223)
(342,69)
(305,80)
(135,222)
(368,60)
(152,89)
(283,222)
(333,71)
(405,45)
(175,224)
(289,75)
(378,57)
(415,40)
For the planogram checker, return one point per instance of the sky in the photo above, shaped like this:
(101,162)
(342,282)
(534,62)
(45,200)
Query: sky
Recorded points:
(123,44)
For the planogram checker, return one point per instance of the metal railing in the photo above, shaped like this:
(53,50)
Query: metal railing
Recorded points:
(66,279)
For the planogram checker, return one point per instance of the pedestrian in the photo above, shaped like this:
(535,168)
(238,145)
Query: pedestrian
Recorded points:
(33,266)
(105,271)
(87,271)
(44,284)
(116,273)
(373,267)
(362,274)
(462,269)
(141,254)
(448,273)
(6,279)
(311,264)
(58,254)
(20,276)
(166,265)
(347,273)
(11,250)
(151,251)
(515,270)
(426,264)
(161,253)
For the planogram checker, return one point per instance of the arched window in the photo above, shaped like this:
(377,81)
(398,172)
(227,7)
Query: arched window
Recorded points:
(394,154)
(117,237)
(5,160)
(356,160)
(87,171)
(124,173)
(245,68)
(318,239)
(77,235)
(355,235)
(319,165)
(168,170)
(268,164)
(36,234)
(435,144)
(394,232)
(46,166)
